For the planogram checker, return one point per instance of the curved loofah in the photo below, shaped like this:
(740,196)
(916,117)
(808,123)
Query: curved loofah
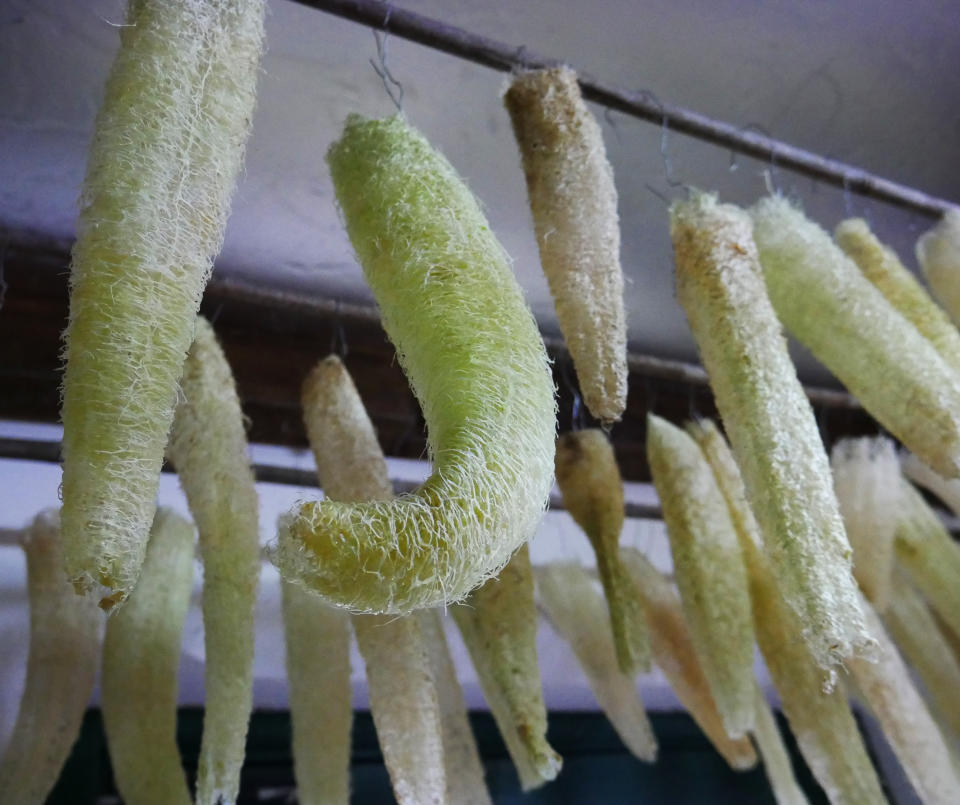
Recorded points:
(776,759)
(589,479)
(866,477)
(498,623)
(475,359)
(676,657)
(947,489)
(709,569)
(883,268)
(829,306)
(141,654)
(208,447)
(576,611)
(403,700)
(769,421)
(574,204)
(61,669)
(166,152)
(938,252)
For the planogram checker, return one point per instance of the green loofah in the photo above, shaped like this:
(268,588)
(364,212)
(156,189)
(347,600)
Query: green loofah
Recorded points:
(476,362)
(166,152)
(938,252)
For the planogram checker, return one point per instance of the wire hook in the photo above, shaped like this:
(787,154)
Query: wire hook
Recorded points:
(391,85)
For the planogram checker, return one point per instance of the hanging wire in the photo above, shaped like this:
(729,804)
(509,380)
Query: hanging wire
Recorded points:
(338,336)
(391,85)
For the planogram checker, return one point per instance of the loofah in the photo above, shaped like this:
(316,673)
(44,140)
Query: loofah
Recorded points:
(476,361)
(883,268)
(461,759)
(776,760)
(589,480)
(948,490)
(938,252)
(167,149)
(141,654)
(317,637)
(208,447)
(576,611)
(61,669)
(866,478)
(676,657)
(885,684)
(498,623)
(929,555)
(708,568)
(769,421)
(574,204)
(829,306)
(403,700)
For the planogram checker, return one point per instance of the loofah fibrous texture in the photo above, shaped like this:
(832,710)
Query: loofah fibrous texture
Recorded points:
(141,655)
(208,447)
(828,305)
(938,252)
(866,478)
(709,569)
(675,655)
(166,152)
(403,699)
(769,421)
(880,265)
(577,612)
(589,479)
(61,668)
(473,355)
(498,623)
(574,204)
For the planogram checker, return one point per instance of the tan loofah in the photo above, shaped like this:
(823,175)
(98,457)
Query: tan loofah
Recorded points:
(589,479)
(61,669)
(208,447)
(141,654)
(498,623)
(938,252)
(828,305)
(476,361)
(769,421)
(776,759)
(708,568)
(166,152)
(574,204)
(883,268)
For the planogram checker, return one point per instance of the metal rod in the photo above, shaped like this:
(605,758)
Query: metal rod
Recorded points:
(642,104)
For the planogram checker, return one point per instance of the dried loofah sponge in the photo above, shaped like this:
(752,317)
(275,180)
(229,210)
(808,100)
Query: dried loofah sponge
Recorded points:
(166,152)
(828,305)
(883,268)
(208,447)
(938,252)
(61,669)
(769,421)
(948,490)
(475,359)
(709,569)
(574,205)
(589,479)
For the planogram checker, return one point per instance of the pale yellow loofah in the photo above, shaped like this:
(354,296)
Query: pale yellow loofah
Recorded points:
(938,252)
(167,149)
(574,204)
(769,421)
(947,489)
(477,364)
(776,759)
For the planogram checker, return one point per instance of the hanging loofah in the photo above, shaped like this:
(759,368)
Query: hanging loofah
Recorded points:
(866,478)
(574,204)
(61,668)
(476,361)
(948,490)
(829,306)
(708,568)
(769,421)
(167,149)
(589,479)
(883,268)
(208,447)
(141,654)
(938,252)
(498,623)
(776,759)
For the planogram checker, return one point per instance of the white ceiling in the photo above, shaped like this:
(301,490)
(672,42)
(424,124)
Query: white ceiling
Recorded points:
(873,84)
